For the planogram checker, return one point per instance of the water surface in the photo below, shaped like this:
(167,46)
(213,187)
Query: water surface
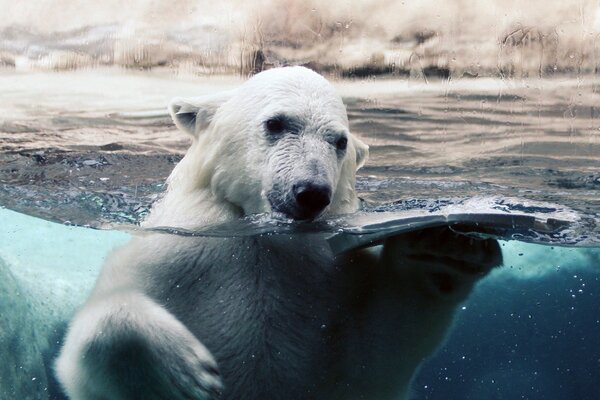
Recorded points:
(79,147)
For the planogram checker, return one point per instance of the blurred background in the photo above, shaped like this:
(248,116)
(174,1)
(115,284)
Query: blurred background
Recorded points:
(417,38)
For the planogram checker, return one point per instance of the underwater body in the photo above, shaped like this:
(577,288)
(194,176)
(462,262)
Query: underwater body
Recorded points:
(93,157)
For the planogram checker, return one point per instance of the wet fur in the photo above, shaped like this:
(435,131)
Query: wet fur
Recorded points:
(264,317)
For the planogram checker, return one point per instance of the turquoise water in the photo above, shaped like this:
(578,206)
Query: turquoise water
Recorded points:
(46,272)
(530,330)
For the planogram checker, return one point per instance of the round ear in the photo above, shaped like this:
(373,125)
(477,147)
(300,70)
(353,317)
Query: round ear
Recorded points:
(362,152)
(194,115)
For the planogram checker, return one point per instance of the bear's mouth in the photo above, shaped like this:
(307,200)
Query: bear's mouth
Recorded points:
(308,202)
(298,214)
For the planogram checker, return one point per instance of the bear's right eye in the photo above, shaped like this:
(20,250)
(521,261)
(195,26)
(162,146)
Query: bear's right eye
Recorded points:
(341,144)
(275,125)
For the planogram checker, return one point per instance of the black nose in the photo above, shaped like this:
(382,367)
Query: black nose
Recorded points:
(311,198)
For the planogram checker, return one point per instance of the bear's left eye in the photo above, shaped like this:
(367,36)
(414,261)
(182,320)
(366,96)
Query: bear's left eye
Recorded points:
(275,125)
(341,143)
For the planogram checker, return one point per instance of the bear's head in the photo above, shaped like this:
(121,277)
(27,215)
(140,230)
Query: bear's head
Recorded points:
(280,143)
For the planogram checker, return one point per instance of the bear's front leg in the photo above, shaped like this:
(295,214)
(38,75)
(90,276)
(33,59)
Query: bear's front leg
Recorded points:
(400,304)
(125,346)
(443,263)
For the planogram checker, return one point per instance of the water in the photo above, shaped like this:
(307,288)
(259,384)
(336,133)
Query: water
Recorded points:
(75,150)
(91,156)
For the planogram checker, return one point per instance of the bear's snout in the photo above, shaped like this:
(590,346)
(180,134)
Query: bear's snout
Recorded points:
(311,198)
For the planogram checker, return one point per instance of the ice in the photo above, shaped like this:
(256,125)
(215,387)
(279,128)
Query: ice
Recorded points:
(46,271)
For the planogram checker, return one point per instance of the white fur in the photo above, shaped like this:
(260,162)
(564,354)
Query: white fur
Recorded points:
(281,316)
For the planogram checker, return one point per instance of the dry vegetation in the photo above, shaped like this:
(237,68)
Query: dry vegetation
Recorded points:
(419,38)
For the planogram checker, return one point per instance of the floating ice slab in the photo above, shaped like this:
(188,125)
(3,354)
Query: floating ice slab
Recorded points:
(56,265)
(499,217)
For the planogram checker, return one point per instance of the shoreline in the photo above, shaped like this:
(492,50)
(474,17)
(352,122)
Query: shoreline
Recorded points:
(331,71)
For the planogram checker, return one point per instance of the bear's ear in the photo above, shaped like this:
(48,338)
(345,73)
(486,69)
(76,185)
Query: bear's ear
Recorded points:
(362,152)
(193,115)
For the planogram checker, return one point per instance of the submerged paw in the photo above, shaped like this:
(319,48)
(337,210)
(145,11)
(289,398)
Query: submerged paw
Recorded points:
(444,246)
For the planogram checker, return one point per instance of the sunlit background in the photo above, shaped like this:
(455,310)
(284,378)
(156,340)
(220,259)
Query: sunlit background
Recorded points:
(505,38)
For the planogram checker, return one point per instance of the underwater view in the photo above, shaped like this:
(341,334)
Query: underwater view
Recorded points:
(482,118)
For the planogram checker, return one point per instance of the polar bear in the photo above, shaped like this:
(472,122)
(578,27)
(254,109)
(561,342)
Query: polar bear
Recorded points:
(266,316)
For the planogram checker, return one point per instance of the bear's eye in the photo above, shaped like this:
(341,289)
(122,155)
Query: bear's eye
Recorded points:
(275,125)
(341,143)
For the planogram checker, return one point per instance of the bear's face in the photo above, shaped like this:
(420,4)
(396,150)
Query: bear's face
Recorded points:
(279,143)
(304,161)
